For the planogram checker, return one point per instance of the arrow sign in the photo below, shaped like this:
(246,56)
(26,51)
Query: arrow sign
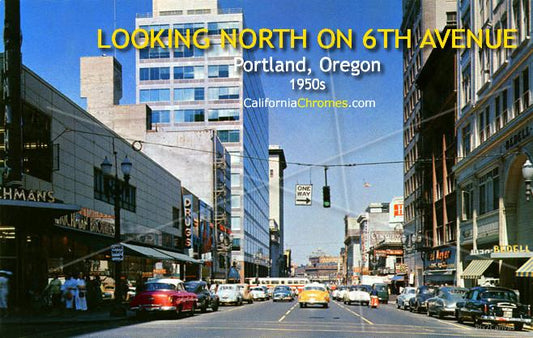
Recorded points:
(304,194)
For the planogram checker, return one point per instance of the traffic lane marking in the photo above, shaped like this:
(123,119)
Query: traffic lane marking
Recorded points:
(356,314)
(375,330)
(287,313)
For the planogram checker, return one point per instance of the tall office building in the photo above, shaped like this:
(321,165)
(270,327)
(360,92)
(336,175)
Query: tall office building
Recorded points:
(277,166)
(198,89)
(418,16)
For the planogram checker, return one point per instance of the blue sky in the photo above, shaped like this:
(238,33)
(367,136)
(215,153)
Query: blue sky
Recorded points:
(56,33)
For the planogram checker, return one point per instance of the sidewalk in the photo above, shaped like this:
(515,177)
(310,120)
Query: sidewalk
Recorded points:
(73,317)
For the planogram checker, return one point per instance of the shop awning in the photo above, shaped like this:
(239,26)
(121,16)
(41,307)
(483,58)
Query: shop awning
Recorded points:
(476,268)
(148,252)
(180,257)
(526,270)
(37,208)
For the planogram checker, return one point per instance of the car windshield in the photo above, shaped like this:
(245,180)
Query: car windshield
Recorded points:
(159,286)
(314,288)
(381,287)
(191,286)
(427,291)
(282,288)
(411,291)
(500,294)
(258,289)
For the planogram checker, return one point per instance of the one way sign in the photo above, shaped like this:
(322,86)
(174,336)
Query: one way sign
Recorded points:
(304,194)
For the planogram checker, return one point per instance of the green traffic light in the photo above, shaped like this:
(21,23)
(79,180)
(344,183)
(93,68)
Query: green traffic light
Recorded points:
(326,196)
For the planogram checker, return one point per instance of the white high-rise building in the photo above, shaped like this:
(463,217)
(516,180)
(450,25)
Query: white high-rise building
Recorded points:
(198,89)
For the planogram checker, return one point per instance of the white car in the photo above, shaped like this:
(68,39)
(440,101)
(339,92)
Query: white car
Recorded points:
(357,294)
(229,294)
(258,293)
(342,292)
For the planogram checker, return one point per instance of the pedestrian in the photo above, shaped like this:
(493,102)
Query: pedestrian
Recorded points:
(4,292)
(70,290)
(53,290)
(81,297)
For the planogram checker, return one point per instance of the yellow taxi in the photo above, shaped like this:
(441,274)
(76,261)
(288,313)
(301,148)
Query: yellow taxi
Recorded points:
(314,294)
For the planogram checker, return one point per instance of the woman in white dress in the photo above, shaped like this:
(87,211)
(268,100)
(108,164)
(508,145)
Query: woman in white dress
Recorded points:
(70,291)
(81,297)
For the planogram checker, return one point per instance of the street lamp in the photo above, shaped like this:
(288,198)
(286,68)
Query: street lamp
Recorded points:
(117,191)
(527,173)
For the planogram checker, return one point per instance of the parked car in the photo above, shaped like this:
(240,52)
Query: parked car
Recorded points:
(423,293)
(494,305)
(383,292)
(164,295)
(359,294)
(229,294)
(314,294)
(206,299)
(268,292)
(245,293)
(281,293)
(258,293)
(402,302)
(445,301)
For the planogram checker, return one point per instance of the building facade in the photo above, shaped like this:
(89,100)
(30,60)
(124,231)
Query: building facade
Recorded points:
(197,89)
(277,165)
(494,125)
(353,252)
(418,16)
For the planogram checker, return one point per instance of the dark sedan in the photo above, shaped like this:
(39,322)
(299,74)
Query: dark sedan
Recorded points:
(205,298)
(445,301)
(423,293)
(494,305)
(281,293)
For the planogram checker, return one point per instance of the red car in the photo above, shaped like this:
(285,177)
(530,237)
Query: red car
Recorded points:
(164,295)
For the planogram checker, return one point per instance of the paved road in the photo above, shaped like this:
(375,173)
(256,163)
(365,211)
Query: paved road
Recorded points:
(268,319)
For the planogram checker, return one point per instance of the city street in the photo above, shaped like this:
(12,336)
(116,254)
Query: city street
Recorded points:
(268,319)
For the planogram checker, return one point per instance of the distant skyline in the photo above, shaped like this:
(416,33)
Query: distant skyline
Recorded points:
(57,33)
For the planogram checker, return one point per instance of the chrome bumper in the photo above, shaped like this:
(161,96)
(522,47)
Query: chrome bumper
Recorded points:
(505,320)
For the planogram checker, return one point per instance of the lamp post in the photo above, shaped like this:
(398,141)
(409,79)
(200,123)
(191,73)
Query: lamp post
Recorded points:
(527,173)
(125,167)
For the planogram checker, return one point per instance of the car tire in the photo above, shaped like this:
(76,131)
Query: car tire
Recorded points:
(193,310)
(440,315)
(458,317)
(301,305)
(204,306)
(326,306)
(215,306)
(349,303)
(397,305)
(518,326)
(428,312)
(179,312)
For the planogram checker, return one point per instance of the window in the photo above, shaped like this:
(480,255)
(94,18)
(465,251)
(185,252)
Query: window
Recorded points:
(235,223)
(223,93)
(236,244)
(525,88)
(484,124)
(156,73)
(188,72)
(156,28)
(235,157)
(235,180)
(229,135)
(214,28)
(104,186)
(505,109)
(184,52)
(221,71)
(466,140)
(154,53)
(466,86)
(217,50)
(497,113)
(489,192)
(160,116)
(191,27)
(224,114)
(188,94)
(235,201)
(516,84)
(154,95)
(467,202)
(189,115)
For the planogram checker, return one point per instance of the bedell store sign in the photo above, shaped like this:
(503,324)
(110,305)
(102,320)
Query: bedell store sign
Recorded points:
(88,220)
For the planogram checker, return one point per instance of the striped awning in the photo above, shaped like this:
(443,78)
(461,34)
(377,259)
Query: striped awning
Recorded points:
(526,270)
(476,268)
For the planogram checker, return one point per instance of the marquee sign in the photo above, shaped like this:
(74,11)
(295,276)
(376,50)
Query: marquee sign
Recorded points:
(21,194)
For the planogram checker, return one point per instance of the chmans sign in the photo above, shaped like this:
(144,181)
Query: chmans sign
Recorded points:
(20,194)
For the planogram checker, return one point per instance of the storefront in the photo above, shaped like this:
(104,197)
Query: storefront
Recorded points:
(439,266)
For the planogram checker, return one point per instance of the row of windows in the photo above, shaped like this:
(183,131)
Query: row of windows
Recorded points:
(213,28)
(488,195)
(189,94)
(195,115)
(185,52)
(497,113)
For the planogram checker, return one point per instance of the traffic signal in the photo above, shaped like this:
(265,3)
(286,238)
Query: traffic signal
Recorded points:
(326,196)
